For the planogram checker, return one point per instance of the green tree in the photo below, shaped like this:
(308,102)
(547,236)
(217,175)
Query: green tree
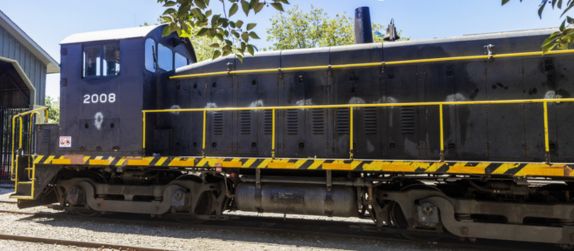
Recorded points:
(564,37)
(196,19)
(295,29)
(53,109)
(202,47)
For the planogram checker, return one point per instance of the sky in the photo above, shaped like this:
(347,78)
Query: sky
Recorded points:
(49,22)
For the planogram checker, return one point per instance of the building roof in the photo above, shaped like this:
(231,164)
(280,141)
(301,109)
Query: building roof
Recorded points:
(116,34)
(23,38)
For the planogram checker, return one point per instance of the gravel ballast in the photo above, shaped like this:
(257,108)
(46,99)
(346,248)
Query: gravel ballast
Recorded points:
(172,238)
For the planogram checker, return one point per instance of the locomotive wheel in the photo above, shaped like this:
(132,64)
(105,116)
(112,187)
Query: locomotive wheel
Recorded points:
(75,201)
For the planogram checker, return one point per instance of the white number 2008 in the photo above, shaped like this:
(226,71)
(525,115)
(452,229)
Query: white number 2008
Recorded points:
(100,98)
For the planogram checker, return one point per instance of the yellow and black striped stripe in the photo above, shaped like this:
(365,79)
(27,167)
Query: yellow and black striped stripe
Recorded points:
(518,169)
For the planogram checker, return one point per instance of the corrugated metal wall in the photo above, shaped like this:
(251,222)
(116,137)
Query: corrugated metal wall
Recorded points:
(34,68)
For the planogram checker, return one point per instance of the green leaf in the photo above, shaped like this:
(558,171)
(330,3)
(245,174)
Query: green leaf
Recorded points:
(200,4)
(202,32)
(239,56)
(233,9)
(166,19)
(168,30)
(251,49)
(258,7)
(224,23)
(551,42)
(277,6)
(245,6)
(250,26)
(219,36)
(215,20)
(253,35)
(238,24)
(245,36)
(169,3)
(196,13)
(169,11)
(214,45)
(216,54)
(505,2)
(541,8)
(570,5)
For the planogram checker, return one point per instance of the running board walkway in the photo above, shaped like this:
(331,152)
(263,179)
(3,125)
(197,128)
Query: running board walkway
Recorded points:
(516,169)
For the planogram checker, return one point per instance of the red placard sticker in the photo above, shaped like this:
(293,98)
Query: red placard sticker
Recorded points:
(65,141)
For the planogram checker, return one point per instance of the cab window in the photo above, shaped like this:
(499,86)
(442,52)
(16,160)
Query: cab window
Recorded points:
(101,60)
(111,63)
(180,60)
(164,57)
(92,61)
(150,55)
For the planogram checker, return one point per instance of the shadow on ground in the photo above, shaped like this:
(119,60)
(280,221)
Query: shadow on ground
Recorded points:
(121,224)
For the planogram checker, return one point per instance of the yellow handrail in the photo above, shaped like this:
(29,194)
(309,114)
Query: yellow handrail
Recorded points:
(346,106)
(273,141)
(351,132)
(351,108)
(204,132)
(14,165)
(441,128)
(376,64)
(546,138)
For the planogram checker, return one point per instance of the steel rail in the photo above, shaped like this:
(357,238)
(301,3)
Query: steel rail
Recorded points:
(82,244)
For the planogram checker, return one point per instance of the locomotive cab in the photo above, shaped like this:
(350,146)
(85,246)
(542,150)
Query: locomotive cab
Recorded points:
(108,78)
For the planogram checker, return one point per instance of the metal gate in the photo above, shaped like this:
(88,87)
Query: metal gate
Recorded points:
(6,140)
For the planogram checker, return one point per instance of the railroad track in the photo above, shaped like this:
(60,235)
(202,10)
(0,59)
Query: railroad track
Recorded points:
(81,244)
(298,227)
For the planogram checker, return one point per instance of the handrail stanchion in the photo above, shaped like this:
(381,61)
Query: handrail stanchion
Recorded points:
(13,152)
(16,166)
(29,143)
(273,141)
(46,116)
(204,133)
(546,138)
(441,128)
(351,133)
(144,131)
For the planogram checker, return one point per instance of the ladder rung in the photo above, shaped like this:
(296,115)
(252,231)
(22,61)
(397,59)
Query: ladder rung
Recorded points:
(22,197)
(24,182)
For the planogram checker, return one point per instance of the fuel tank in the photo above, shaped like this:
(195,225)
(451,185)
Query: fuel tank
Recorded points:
(297,199)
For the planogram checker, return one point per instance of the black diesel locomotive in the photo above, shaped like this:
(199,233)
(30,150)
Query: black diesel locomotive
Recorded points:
(466,135)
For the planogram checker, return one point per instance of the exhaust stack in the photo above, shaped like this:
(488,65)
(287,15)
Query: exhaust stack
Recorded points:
(363,29)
